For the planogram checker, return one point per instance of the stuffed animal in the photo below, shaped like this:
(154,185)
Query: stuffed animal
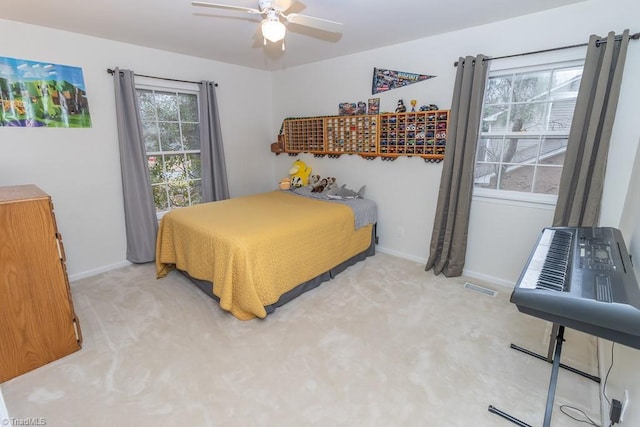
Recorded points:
(331,183)
(285,183)
(345,193)
(401,107)
(314,179)
(324,184)
(299,174)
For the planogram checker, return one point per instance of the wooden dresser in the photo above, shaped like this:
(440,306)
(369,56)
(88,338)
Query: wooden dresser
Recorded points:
(37,322)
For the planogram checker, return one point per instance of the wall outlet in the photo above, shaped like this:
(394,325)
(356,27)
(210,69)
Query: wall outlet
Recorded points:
(625,405)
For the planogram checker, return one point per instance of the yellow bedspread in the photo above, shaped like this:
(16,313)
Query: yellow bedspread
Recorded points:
(256,248)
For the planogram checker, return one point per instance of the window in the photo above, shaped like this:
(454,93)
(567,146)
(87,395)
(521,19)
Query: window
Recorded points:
(525,125)
(170,128)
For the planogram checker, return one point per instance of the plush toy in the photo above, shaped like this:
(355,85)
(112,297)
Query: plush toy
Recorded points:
(331,183)
(324,184)
(285,183)
(401,107)
(345,193)
(314,179)
(299,174)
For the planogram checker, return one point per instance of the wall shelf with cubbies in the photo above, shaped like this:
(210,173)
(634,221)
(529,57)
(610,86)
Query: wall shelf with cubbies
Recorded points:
(385,135)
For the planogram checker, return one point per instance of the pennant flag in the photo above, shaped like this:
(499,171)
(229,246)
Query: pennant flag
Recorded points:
(384,80)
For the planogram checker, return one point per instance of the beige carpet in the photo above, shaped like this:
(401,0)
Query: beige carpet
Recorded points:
(383,344)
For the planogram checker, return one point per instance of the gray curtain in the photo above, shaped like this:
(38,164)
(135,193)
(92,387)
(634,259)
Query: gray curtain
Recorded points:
(583,172)
(449,236)
(214,171)
(139,210)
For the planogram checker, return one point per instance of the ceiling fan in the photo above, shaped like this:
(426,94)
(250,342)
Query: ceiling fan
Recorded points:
(273,29)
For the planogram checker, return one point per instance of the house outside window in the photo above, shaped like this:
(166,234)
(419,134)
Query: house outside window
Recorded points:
(525,124)
(170,128)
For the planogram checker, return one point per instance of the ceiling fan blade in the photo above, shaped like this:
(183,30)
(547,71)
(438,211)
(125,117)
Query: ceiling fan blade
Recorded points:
(225,6)
(282,5)
(310,21)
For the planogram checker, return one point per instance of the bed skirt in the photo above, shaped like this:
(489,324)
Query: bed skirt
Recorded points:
(205,286)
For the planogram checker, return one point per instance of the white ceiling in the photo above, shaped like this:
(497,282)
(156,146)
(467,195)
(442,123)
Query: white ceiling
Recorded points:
(231,36)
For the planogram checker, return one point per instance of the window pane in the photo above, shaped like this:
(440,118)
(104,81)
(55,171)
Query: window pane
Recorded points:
(552,151)
(516,178)
(191,136)
(188,107)
(193,168)
(160,198)
(155,164)
(179,194)
(170,137)
(531,86)
(561,115)
(494,118)
(498,90)
(528,117)
(486,175)
(488,154)
(489,150)
(150,135)
(195,189)
(174,168)
(567,78)
(547,179)
(167,105)
(520,150)
(146,104)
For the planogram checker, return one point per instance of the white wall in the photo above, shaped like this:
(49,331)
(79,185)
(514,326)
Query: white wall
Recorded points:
(80,168)
(4,414)
(500,236)
(625,373)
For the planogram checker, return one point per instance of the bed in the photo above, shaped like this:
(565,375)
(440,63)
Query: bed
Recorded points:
(255,253)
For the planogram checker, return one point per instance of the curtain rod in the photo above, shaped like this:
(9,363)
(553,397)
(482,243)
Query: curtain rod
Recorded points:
(635,36)
(110,71)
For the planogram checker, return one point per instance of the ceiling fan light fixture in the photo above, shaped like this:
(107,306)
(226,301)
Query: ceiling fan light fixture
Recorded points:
(273,30)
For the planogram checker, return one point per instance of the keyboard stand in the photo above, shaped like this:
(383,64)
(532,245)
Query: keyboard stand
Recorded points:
(549,358)
(552,384)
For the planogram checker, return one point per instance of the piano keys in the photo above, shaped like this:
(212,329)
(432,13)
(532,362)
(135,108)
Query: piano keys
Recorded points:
(582,278)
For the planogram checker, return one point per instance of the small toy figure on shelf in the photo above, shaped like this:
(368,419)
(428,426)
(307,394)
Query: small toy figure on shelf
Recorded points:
(374,105)
(401,107)
(413,105)
(430,107)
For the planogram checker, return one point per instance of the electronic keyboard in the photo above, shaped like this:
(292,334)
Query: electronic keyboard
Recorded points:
(582,278)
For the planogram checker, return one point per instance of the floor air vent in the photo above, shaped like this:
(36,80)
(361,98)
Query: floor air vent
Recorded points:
(480,289)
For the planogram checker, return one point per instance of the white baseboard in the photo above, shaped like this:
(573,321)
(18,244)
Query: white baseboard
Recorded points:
(488,279)
(466,273)
(401,255)
(99,270)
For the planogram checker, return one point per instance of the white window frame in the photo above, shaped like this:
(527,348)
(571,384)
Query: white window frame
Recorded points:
(529,63)
(147,83)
